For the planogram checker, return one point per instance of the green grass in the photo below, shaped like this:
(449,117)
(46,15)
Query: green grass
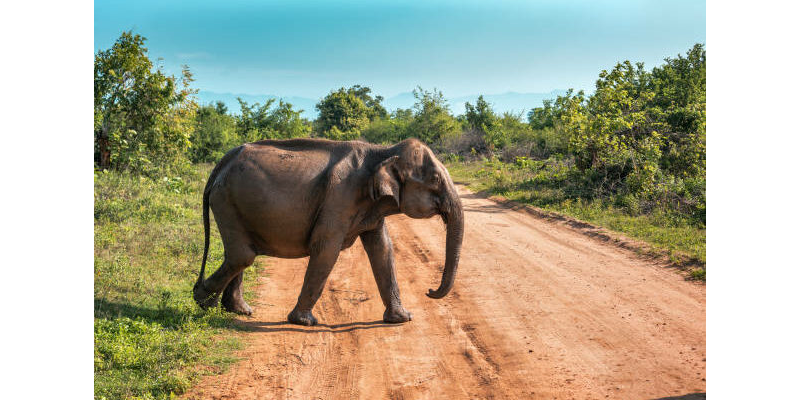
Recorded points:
(546,186)
(151,340)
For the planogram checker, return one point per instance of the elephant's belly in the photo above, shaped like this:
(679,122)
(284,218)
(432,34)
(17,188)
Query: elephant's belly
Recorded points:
(279,236)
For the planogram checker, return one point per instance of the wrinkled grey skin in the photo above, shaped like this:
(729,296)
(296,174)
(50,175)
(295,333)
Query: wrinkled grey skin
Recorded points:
(312,197)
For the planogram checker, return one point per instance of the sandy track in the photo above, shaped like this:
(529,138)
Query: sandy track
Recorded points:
(538,311)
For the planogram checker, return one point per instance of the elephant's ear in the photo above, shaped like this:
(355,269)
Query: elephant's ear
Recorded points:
(384,182)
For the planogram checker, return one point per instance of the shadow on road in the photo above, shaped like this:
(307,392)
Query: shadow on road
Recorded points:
(690,396)
(284,326)
(487,209)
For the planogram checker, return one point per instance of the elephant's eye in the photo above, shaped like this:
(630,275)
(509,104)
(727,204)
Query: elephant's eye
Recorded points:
(436,179)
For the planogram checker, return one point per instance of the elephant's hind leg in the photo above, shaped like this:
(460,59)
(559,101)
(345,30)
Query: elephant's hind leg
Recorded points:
(239,255)
(232,298)
(229,275)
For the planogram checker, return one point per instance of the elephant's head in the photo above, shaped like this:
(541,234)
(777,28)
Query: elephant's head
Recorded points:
(421,188)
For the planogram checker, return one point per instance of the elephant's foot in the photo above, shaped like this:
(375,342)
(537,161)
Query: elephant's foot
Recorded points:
(298,317)
(396,315)
(204,298)
(237,306)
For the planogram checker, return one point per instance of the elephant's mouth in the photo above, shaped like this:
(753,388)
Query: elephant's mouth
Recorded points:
(419,214)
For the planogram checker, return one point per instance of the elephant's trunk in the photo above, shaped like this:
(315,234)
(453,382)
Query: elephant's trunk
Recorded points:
(453,216)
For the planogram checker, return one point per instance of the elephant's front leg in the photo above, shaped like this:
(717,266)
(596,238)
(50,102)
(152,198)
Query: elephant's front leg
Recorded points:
(379,249)
(323,257)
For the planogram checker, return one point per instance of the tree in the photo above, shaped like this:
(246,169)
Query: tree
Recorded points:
(679,100)
(404,114)
(258,121)
(342,115)
(288,123)
(546,116)
(253,120)
(613,132)
(214,134)
(142,117)
(480,117)
(374,107)
(221,108)
(432,119)
(508,129)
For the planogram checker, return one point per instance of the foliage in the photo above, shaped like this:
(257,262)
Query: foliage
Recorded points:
(679,101)
(257,122)
(630,156)
(375,109)
(389,130)
(554,185)
(640,131)
(215,132)
(344,113)
(432,118)
(150,337)
(335,134)
(506,130)
(546,116)
(480,117)
(638,140)
(142,118)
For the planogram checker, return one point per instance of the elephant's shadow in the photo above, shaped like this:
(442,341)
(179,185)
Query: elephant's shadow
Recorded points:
(175,317)
(167,315)
(285,326)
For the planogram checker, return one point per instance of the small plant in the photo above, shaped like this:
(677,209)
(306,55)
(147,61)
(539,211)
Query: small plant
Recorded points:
(698,274)
(174,184)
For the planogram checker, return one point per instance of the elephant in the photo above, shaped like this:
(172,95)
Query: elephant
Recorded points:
(312,198)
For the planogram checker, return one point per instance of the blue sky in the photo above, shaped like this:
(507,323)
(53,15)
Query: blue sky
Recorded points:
(292,48)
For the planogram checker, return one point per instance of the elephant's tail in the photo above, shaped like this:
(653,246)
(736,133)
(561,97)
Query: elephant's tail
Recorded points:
(206,224)
(206,229)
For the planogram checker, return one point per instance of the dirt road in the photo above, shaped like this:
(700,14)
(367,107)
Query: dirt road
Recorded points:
(539,310)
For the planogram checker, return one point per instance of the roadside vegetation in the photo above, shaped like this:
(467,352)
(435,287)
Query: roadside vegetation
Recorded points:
(629,157)
(674,234)
(151,340)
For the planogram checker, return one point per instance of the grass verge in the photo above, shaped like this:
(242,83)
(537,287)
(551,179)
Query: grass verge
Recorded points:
(678,237)
(151,340)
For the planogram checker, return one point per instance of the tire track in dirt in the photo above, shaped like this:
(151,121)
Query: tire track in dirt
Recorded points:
(539,311)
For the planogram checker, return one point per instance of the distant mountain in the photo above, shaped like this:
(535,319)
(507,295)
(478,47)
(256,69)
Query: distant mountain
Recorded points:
(509,101)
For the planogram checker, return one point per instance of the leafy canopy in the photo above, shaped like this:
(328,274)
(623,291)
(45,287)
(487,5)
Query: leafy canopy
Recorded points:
(344,113)
(259,121)
(142,118)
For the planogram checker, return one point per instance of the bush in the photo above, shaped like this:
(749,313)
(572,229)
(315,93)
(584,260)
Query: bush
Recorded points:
(468,145)
(214,134)
(335,134)
(432,120)
(387,131)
